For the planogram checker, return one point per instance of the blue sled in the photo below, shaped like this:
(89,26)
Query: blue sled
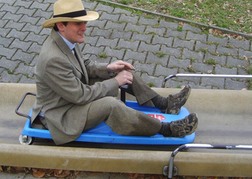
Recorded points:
(103,133)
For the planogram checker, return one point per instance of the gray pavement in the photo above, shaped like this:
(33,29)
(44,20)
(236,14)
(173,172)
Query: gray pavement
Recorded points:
(155,46)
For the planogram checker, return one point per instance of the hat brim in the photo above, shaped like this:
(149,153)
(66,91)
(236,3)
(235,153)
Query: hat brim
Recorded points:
(91,15)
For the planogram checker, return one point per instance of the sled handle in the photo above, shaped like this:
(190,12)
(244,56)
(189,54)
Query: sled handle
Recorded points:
(20,104)
(168,170)
(204,75)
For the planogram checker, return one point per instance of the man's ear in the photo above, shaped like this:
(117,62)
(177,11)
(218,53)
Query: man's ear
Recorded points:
(60,26)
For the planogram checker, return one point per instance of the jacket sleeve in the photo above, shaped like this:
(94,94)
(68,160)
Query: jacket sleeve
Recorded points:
(59,75)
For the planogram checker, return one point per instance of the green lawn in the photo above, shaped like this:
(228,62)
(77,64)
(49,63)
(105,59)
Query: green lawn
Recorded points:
(235,15)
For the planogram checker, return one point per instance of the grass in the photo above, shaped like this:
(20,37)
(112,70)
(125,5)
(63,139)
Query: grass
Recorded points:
(234,15)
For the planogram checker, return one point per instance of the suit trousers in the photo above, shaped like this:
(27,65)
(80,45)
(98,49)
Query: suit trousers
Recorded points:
(122,119)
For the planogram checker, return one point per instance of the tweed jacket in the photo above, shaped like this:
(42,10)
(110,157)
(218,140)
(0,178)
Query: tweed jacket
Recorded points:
(63,90)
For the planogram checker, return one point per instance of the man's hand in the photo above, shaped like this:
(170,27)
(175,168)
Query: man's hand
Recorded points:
(124,77)
(119,66)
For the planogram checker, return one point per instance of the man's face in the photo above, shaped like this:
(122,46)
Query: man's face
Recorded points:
(73,31)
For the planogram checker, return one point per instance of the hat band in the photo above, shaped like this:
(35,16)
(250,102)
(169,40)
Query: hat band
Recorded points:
(72,14)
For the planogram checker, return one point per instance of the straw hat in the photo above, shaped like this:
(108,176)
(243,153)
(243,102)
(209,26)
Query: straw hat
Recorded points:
(69,11)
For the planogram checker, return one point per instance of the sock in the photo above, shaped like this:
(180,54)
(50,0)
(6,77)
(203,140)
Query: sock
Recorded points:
(165,129)
(160,102)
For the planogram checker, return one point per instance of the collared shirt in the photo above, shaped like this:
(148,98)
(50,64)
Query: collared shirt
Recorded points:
(69,44)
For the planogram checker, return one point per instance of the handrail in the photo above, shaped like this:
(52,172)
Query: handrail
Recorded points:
(20,104)
(203,75)
(168,171)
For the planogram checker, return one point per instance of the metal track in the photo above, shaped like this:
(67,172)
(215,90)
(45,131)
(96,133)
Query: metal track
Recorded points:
(203,75)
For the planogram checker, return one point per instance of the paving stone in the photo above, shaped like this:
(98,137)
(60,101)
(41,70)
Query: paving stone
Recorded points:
(20,45)
(6,41)
(188,54)
(227,51)
(169,25)
(221,60)
(90,5)
(201,67)
(217,40)
(142,37)
(173,33)
(25,57)
(34,48)
(109,16)
(122,35)
(234,84)
(118,54)
(29,19)
(101,32)
(91,40)
(115,25)
(129,19)
(97,24)
(31,28)
(188,27)
(201,46)
(2,22)
(143,67)
(216,83)
(31,37)
(162,40)
(244,54)
(37,5)
(152,80)
(164,71)
(17,34)
(9,77)
(177,52)
(94,50)
(195,36)
(14,25)
(9,65)
(224,70)
(234,62)
(148,47)
(122,11)
(244,44)
(9,8)
(124,44)
(13,17)
(135,28)
(178,63)
(135,56)
(7,52)
(100,8)
(45,14)
(147,21)
(153,58)
(25,11)
(21,4)
(155,30)
(189,44)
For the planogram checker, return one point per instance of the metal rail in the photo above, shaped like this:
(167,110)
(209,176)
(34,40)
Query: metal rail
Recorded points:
(168,171)
(204,75)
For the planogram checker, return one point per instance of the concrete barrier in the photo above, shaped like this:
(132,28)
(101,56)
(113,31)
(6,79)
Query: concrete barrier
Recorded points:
(224,118)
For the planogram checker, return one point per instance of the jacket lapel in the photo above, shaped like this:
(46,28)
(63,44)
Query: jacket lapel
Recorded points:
(68,52)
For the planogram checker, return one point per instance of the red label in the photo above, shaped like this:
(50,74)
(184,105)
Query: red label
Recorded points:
(157,116)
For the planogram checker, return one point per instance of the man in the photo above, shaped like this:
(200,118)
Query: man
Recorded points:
(67,103)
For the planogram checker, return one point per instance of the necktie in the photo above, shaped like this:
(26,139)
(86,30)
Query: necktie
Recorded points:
(76,56)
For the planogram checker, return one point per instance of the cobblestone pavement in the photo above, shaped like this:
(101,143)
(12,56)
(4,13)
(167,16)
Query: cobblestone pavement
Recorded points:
(155,46)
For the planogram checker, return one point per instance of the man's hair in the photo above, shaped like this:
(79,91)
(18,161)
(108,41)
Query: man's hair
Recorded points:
(56,28)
